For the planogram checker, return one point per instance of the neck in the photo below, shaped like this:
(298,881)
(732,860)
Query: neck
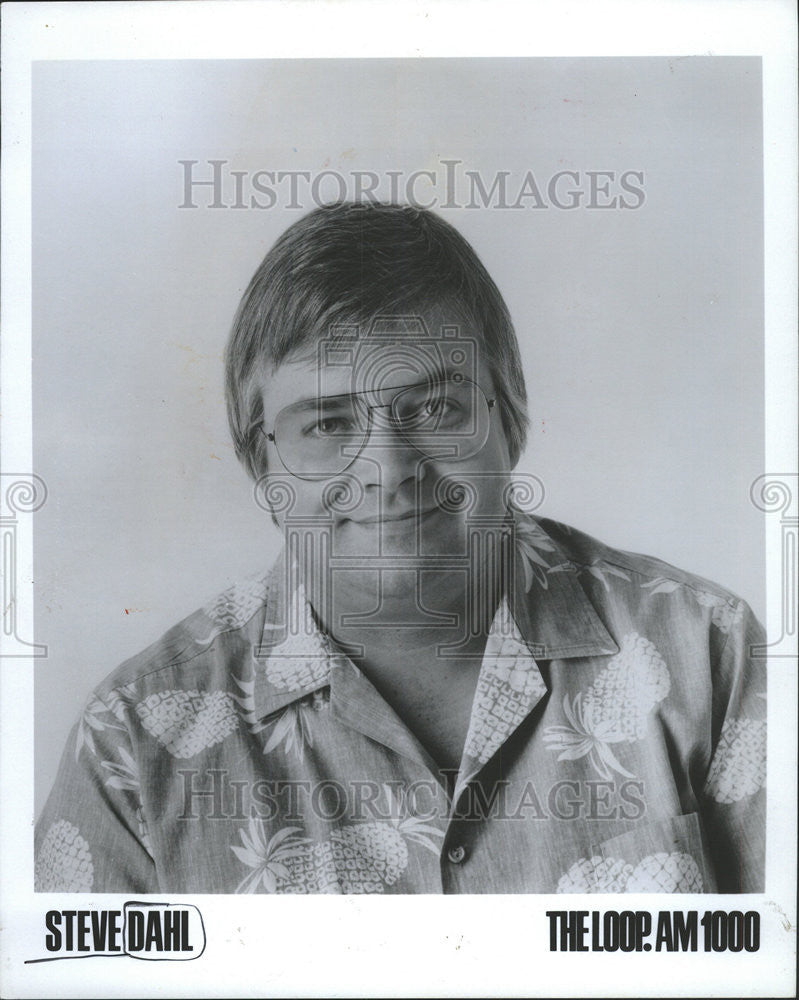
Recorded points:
(385,612)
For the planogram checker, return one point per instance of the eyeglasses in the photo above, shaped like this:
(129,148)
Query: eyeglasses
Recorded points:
(320,438)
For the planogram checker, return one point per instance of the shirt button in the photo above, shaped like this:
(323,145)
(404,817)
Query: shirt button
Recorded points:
(456,854)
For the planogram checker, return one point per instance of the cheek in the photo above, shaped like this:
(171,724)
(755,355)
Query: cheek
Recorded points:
(485,475)
(493,464)
(303,501)
(495,457)
(292,498)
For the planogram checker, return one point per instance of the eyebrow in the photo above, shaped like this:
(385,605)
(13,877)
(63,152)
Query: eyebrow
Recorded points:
(314,402)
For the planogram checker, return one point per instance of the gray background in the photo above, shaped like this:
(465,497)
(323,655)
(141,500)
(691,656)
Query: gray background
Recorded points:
(641,331)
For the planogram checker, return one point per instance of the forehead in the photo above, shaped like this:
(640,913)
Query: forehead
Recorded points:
(392,351)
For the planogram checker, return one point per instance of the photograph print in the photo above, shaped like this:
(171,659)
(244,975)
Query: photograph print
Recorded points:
(446,377)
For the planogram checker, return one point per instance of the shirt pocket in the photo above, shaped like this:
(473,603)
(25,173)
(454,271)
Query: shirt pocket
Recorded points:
(669,855)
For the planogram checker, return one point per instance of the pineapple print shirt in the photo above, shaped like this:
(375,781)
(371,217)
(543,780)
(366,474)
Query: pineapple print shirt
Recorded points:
(616,744)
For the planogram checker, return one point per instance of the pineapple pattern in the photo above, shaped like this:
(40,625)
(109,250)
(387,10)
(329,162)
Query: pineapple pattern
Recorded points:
(738,768)
(361,858)
(188,722)
(125,777)
(599,570)
(246,701)
(313,870)
(614,709)
(97,717)
(232,609)
(356,858)
(292,730)
(624,693)
(531,542)
(602,721)
(724,615)
(303,658)
(660,872)
(596,874)
(266,858)
(508,687)
(64,862)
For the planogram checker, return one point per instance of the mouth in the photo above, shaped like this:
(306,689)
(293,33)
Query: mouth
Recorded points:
(397,517)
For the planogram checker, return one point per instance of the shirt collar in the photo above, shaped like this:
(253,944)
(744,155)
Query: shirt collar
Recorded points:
(294,657)
(554,615)
(546,616)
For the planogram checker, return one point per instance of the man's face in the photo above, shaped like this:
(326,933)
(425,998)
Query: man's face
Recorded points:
(398,452)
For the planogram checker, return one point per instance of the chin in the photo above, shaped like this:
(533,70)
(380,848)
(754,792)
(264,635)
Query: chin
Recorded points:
(398,585)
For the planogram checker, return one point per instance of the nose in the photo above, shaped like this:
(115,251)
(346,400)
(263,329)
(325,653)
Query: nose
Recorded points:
(387,462)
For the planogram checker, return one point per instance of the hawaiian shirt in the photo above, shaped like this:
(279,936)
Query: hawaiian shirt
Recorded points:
(616,744)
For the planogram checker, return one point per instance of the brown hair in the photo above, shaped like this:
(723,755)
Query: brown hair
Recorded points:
(345,264)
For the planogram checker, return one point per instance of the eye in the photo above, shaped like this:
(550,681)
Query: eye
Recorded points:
(444,412)
(437,407)
(328,426)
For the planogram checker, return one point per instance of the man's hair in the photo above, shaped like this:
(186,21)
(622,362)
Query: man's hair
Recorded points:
(345,265)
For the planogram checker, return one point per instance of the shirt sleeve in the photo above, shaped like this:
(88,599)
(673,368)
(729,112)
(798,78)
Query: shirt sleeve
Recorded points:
(734,796)
(92,835)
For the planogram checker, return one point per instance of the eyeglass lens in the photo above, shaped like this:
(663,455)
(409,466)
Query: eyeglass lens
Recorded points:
(321,437)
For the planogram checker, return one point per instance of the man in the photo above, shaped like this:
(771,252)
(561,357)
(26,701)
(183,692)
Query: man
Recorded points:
(432,691)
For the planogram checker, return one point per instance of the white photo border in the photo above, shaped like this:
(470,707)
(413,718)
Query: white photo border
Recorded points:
(492,946)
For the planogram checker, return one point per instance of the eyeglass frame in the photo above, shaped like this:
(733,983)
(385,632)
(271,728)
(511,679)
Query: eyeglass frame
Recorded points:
(457,379)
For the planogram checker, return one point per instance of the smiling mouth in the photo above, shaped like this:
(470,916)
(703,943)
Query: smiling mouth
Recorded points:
(408,515)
